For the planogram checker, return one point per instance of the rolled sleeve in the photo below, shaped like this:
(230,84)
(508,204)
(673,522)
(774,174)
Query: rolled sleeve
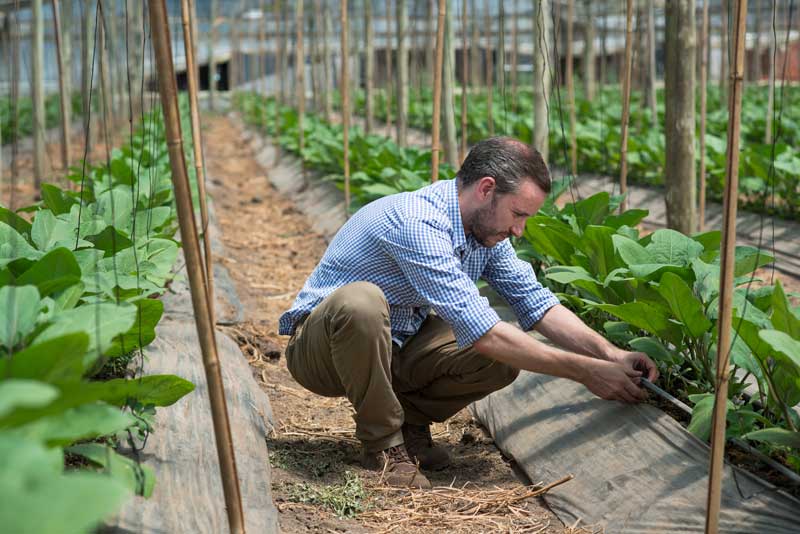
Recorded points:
(423,250)
(516,282)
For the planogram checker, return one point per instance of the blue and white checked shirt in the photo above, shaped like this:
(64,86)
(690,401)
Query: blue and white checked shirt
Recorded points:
(413,246)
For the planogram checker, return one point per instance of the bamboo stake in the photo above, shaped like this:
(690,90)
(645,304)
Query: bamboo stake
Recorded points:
(626,104)
(205,331)
(437,91)
(105,117)
(37,93)
(771,87)
(345,90)
(730,199)
(651,61)
(704,46)
(262,37)
(327,53)
(197,146)
(464,69)
(724,49)
(514,54)
(14,109)
(212,62)
(65,98)
(369,38)
(487,28)
(401,20)
(570,81)
(475,78)
(299,68)
(388,95)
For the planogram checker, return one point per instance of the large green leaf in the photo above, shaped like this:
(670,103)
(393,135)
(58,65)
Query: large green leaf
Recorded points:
(673,248)
(88,421)
(646,317)
(56,360)
(16,394)
(702,414)
(53,272)
(48,232)
(143,331)
(783,343)
(14,246)
(20,306)
(158,390)
(103,322)
(653,348)
(140,479)
(15,221)
(684,305)
(775,436)
(748,259)
(37,497)
(56,200)
(782,316)
(551,237)
(598,246)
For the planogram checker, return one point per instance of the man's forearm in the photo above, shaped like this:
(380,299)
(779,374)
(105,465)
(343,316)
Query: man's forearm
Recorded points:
(512,346)
(567,330)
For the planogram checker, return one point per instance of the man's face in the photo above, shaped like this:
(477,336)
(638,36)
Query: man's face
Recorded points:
(505,215)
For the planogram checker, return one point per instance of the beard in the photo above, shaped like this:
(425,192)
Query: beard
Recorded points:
(481,230)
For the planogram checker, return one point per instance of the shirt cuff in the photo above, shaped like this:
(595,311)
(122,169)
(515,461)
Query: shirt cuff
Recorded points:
(474,326)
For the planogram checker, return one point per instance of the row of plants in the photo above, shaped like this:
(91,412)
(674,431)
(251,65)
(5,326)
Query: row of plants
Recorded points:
(656,293)
(22,124)
(598,137)
(80,273)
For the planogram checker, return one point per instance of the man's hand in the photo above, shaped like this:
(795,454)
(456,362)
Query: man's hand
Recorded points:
(614,381)
(636,361)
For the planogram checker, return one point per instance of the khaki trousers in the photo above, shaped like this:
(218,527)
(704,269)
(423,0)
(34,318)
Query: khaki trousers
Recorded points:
(344,348)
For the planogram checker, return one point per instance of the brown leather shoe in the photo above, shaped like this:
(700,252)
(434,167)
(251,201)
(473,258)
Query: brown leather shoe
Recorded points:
(398,470)
(420,446)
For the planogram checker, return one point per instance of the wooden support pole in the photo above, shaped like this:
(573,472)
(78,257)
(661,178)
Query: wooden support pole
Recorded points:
(104,117)
(464,70)
(626,105)
(197,147)
(65,98)
(327,58)
(369,42)
(487,29)
(14,110)
(771,86)
(205,330)
(299,70)
(514,55)
(652,101)
(262,37)
(437,90)
(344,88)
(401,21)
(388,94)
(570,81)
(212,61)
(730,200)
(37,93)
(705,43)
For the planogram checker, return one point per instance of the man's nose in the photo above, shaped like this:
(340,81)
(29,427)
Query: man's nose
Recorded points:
(516,230)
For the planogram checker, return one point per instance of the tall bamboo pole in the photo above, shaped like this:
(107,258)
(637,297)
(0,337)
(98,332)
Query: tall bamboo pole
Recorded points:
(327,53)
(570,81)
(730,199)
(14,108)
(205,330)
(311,32)
(704,46)
(388,94)
(652,102)
(344,88)
(262,38)
(514,54)
(448,91)
(626,104)
(299,69)
(464,69)
(487,28)
(369,38)
(65,98)
(501,58)
(105,89)
(475,49)
(771,87)
(437,90)
(212,60)
(724,49)
(37,93)
(402,72)
(588,52)
(541,76)
(197,147)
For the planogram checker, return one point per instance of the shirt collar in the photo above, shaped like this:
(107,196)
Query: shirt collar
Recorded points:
(454,212)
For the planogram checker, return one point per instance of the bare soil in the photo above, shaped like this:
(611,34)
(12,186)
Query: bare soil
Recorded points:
(270,250)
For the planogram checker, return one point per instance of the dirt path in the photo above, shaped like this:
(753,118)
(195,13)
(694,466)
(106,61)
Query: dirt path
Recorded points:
(318,485)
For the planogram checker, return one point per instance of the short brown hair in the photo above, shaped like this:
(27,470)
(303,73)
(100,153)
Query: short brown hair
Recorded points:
(508,161)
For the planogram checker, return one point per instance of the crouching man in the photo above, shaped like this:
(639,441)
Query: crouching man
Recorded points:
(391,317)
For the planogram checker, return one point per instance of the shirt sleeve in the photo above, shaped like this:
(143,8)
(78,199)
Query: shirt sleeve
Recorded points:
(516,282)
(423,249)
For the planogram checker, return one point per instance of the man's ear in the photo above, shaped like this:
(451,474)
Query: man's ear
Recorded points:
(485,187)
